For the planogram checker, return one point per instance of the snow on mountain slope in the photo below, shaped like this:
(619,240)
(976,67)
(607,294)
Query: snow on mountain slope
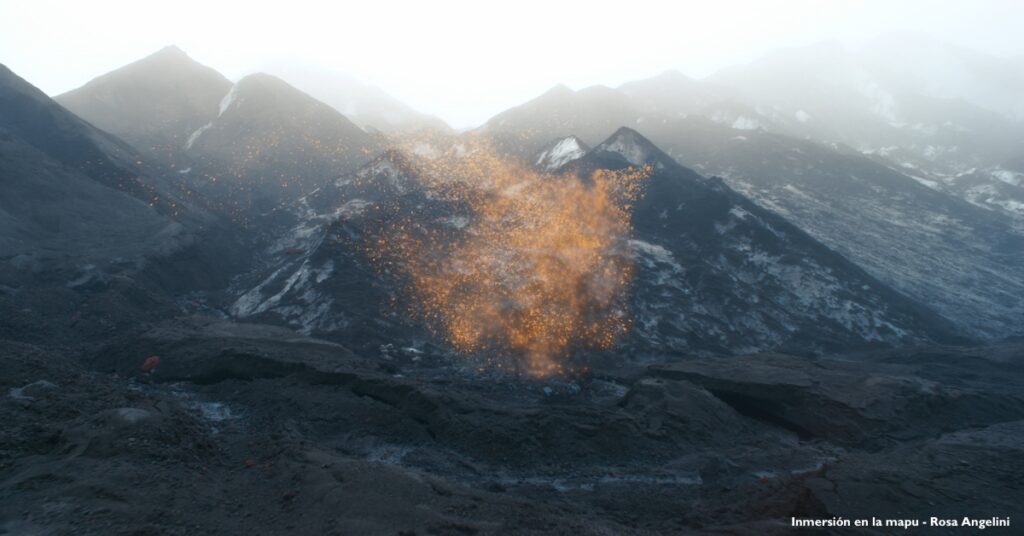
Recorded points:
(720,273)
(906,225)
(317,276)
(155,103)
(715,272)
(560,152)
(269,144)
(965,261)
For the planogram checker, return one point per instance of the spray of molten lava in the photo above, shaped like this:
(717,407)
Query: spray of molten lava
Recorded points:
(535,267)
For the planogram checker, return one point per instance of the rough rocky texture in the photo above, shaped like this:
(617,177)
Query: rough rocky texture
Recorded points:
(241,428)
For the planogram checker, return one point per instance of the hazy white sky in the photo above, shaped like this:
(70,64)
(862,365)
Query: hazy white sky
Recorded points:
(467,60)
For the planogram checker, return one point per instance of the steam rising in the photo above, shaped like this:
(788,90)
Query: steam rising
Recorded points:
(536,267)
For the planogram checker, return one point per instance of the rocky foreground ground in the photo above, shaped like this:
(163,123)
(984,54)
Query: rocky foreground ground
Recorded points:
(250,429)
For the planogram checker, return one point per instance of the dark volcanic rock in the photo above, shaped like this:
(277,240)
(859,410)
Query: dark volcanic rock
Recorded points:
(980,467)
(269,144)
(850,402)
(84,222)
(718,273)
(246,426)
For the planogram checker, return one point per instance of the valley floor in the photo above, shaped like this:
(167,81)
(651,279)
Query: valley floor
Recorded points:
(246,429)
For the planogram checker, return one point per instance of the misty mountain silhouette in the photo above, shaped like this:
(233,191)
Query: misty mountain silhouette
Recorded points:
(154,103)
(865,207)
(715,272)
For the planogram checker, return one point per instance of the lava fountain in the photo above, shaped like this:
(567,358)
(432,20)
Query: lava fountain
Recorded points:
(535,268)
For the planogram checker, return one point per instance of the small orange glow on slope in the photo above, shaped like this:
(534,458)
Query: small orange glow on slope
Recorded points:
(538,267)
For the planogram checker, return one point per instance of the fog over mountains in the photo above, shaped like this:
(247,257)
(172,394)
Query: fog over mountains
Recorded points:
(793,288)
(870,163)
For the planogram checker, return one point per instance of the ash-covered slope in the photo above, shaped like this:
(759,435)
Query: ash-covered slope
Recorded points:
(951,116)
(154,103)
(270,144)
(318,277)
(70,189)
(962,260)
(718,272)
(82,221)
(715,272)
(367,106)
(906,229)
(997,188)
(245,148)
(944,113)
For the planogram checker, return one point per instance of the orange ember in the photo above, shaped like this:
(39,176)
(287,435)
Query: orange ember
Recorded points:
(537,268)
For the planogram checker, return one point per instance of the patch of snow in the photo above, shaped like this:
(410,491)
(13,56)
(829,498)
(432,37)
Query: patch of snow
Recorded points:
(880,102)
(214,411)
(927,182)
(1009,177)
(739,212)
(658,259)
(228,100)
(325,271)
(656,252)
(195,135)
(424,149)
(746,123)
(629,148)
(20,393)
(384,170)
(351,209)
(565,151)
(458,222)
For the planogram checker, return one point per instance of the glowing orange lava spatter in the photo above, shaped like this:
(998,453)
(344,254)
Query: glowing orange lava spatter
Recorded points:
(537,268)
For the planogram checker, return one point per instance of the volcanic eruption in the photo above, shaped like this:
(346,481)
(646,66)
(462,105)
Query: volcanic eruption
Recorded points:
(528,268)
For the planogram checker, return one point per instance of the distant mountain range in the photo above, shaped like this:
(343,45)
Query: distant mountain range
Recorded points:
(716,272)
(367,106)
(155,103)
(847,207)
(247,147)
(817,135)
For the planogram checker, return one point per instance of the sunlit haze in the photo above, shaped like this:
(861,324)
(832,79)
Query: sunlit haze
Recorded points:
(464,61)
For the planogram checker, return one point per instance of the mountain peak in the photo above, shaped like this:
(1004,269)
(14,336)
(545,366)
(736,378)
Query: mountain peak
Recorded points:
(154,102)
(262,80)
(673,75)
(558,91)
(598,91)
(170,57)
(270,90)
(170,51)
(634,148)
